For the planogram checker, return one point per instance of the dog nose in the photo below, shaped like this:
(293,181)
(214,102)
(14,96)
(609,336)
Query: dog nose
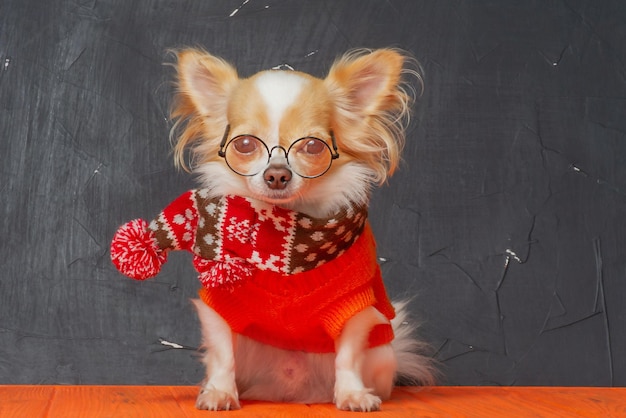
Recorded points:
(277,178)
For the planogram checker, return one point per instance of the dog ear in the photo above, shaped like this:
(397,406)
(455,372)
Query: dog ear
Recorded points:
(371,107)
(200,106)
(205,81)
(366,83)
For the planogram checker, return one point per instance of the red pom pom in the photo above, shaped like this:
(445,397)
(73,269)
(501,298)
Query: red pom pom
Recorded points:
(227,273)
(135,251)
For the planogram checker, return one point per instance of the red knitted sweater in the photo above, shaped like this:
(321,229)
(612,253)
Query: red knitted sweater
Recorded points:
(275,275)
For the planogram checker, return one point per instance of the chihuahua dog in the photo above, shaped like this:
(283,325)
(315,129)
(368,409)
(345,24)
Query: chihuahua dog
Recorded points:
(308,149)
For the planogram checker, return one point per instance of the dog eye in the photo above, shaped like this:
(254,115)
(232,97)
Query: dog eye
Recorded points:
(245,144)
(313,146)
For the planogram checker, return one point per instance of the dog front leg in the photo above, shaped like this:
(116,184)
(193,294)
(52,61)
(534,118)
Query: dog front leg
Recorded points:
(218,390)
(350,391)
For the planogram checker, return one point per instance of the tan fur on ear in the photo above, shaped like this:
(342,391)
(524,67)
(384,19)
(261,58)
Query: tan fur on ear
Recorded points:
(372,106)
(200,106)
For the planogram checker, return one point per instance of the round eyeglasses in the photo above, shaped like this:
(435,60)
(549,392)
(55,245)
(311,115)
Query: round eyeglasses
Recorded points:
(248,155)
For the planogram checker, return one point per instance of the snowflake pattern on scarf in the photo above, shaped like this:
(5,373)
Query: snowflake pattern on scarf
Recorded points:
(231,235)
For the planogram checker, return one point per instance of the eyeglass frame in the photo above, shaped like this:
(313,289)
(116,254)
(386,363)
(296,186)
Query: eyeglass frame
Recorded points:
(223,145)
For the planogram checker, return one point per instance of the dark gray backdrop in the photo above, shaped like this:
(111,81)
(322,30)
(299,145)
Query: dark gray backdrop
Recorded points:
(505,221)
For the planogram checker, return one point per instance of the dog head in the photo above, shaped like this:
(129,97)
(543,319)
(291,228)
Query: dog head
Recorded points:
(288,138)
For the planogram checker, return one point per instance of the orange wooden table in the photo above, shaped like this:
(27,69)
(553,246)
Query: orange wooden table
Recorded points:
(178,401)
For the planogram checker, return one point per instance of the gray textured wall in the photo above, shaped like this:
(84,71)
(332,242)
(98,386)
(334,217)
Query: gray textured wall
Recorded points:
(505,220)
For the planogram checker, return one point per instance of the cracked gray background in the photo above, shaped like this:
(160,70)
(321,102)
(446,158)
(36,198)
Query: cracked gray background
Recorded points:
(505,222)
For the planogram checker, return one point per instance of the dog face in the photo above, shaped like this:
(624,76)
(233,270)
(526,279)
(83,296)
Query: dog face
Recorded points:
(288,138)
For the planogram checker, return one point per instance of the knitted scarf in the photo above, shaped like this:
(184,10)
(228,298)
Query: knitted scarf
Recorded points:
(231,235)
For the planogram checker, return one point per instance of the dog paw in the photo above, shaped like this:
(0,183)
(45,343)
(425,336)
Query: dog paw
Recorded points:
(213,399)
(358,401)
